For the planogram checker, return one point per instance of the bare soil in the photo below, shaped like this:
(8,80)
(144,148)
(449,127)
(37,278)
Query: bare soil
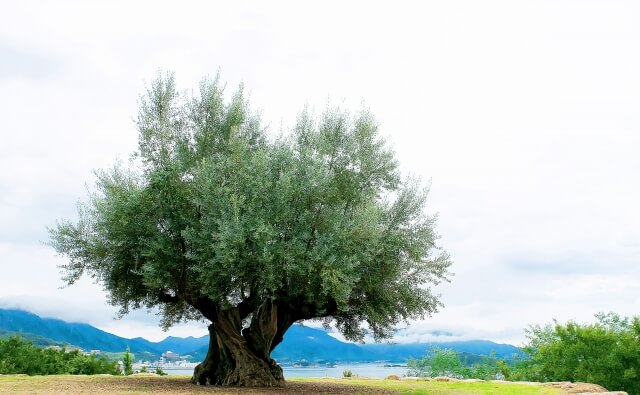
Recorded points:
(161,385)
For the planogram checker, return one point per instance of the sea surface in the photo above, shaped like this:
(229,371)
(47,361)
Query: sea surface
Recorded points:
(360,369)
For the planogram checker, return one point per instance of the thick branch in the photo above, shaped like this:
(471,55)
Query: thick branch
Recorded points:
(265,324)
(206,306)
(291,311)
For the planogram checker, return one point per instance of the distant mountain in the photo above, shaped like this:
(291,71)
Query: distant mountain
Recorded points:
(183,345)
(316,345)
(313,345)
(300,342)
(37,340)
(81,335)
(397,352)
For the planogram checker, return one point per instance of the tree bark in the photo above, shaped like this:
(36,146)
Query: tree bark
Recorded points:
(239,357)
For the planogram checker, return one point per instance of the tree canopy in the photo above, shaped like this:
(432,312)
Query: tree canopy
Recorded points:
(215,219)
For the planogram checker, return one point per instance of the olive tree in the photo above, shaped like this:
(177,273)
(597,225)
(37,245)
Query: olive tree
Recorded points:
(215,220)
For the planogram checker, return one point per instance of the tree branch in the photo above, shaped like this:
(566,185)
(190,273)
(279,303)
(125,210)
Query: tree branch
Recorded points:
(205,306)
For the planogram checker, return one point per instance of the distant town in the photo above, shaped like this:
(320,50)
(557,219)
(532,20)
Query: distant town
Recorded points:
(168,360)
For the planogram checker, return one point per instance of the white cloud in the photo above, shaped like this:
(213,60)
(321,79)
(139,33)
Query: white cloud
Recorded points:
(523,114)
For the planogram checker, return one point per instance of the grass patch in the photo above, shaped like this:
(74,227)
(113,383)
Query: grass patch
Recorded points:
(443,388)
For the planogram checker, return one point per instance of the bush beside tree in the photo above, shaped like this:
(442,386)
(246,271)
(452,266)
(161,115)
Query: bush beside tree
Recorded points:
(605,353)
(18,356)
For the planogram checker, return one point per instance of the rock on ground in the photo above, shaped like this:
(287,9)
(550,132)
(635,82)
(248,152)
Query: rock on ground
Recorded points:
(583,388)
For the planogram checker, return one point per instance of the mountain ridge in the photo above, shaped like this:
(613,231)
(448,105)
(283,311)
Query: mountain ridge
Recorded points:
(300,342)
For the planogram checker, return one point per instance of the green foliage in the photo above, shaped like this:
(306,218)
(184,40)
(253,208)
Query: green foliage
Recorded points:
(161,372)
(143,369)
(504,369)
(36,340)
(213,215)
(19,356)
(606,353)
(439,363)
(347,373)
(127,363)
(449,363)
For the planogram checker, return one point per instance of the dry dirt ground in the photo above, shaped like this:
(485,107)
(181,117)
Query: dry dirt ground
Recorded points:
(151,384)
(159,385)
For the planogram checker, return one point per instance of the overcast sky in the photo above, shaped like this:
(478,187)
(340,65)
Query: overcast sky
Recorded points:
(525,116)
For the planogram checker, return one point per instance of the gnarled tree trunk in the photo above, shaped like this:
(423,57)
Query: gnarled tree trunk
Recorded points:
(242,357)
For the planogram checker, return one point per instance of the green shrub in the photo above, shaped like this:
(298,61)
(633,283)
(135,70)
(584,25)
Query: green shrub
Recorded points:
(18,356)
(446,362)
(127,363)
(347,373)
(606,353)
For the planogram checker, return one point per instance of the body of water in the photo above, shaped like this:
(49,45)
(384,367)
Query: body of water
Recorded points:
(359,369)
